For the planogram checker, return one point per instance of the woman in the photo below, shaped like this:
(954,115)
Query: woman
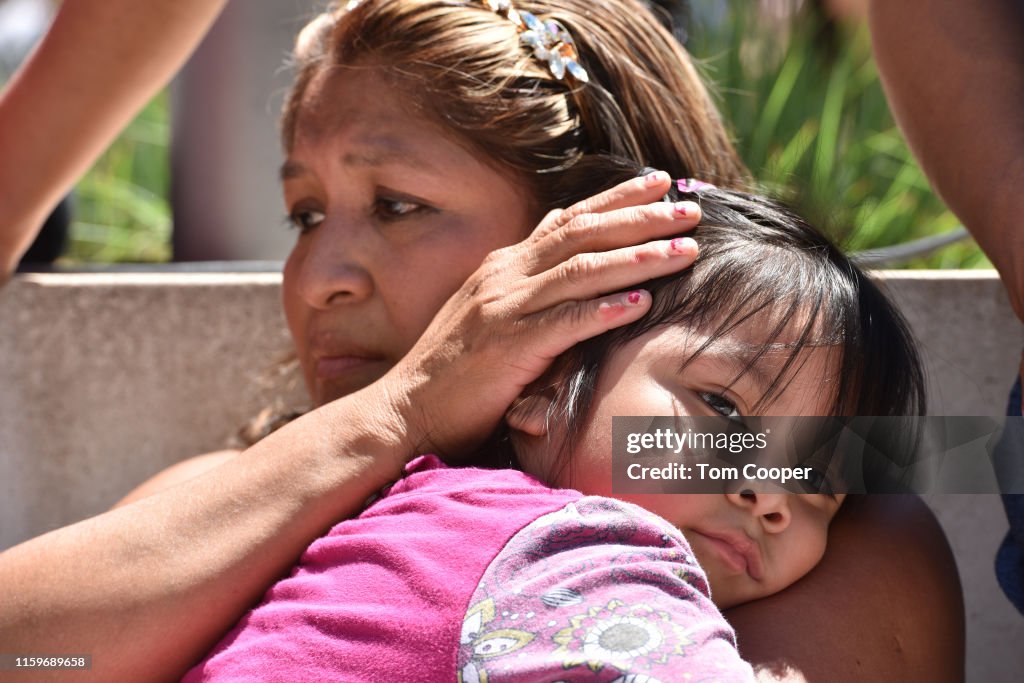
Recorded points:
(444,98)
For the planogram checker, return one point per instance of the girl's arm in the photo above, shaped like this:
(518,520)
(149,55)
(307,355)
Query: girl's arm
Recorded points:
(884,605)
(147,588)
(100,62)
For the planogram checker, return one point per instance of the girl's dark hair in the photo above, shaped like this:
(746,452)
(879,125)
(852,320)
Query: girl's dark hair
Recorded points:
(758,260)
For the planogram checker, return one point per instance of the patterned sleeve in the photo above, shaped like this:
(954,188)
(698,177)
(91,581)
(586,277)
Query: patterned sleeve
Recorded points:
(600,590)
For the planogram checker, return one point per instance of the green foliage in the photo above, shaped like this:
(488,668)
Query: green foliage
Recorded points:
(813,125)
(121,211)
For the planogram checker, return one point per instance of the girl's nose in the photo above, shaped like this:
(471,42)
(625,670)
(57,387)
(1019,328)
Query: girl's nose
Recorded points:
(334,269)
(772,509)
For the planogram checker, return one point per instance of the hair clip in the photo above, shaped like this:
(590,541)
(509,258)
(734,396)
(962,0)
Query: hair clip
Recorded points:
(549,40)
(692,185)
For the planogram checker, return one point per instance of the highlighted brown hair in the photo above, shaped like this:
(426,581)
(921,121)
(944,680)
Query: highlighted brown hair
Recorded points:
(462,65)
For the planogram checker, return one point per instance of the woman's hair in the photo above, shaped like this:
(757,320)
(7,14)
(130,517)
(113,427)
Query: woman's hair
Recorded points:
(463,65)
(759,264)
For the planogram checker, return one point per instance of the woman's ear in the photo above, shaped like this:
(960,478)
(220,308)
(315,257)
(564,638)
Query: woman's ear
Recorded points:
(530,414)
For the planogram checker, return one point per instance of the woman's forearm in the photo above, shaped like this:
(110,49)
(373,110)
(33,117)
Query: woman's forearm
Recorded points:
(954,75)
(100,62)
(148,588)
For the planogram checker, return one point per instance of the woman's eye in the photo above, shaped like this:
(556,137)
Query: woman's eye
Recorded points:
(720,404)
(395,209)
(305,220)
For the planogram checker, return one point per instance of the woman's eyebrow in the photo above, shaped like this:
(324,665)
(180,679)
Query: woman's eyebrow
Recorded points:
(290,170)
(380,153)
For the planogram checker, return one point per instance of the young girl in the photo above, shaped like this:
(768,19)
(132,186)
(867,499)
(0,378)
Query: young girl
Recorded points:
(491,575)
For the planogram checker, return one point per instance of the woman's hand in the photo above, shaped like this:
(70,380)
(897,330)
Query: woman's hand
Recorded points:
(528,303)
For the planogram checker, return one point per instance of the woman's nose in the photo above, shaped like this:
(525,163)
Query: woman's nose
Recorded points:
(334,270)
(771,509)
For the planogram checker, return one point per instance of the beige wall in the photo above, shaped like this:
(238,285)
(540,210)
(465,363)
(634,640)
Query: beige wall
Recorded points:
(107,378)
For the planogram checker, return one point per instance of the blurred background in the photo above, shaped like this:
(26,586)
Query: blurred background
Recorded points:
(194,177)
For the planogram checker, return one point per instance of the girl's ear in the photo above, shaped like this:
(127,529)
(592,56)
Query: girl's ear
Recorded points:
(530,414)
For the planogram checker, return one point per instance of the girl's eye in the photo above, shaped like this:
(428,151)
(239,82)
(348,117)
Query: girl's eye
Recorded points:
(720,404)
(305,219)
(396,209)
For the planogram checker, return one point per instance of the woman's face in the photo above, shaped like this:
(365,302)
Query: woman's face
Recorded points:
(749,545)
(393,216)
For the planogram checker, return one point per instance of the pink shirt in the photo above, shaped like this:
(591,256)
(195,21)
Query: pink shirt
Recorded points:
(485,575)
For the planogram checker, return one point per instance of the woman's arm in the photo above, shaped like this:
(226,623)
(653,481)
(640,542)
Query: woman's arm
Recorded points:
(177,473)
(147,588)
(100,62)
(884,605)
(954,75)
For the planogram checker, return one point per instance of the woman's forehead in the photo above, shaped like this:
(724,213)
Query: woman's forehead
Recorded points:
(346,96)
(357,117)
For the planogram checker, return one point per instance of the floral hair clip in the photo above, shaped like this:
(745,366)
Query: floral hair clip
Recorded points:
(549,40)
(692,185)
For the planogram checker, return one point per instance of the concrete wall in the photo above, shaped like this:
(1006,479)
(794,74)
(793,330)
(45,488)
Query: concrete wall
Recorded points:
(225,148)
(107,378)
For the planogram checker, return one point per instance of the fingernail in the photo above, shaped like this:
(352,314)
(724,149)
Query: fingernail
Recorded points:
(655,178)
(633,298)
(682,209)
(682,245)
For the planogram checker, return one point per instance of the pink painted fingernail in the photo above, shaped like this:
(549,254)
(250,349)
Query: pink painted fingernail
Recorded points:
(682,245)
(633,298)
(682,209)
(654,178)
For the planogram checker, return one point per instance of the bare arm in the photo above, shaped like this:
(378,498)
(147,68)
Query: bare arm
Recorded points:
(884,605)
(954,75)
(101,61)
(177,473)
(147,587)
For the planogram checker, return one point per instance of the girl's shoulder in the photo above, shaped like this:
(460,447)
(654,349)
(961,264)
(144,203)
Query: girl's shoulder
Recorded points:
(500,487)
(596,590)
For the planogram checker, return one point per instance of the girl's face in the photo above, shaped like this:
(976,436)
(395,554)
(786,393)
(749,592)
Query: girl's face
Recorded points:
(393,216)
(750,545)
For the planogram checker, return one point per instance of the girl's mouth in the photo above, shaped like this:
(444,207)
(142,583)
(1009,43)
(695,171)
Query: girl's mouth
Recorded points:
(740,555)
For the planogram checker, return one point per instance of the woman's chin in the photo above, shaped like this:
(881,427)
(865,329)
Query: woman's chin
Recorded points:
(327,389)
